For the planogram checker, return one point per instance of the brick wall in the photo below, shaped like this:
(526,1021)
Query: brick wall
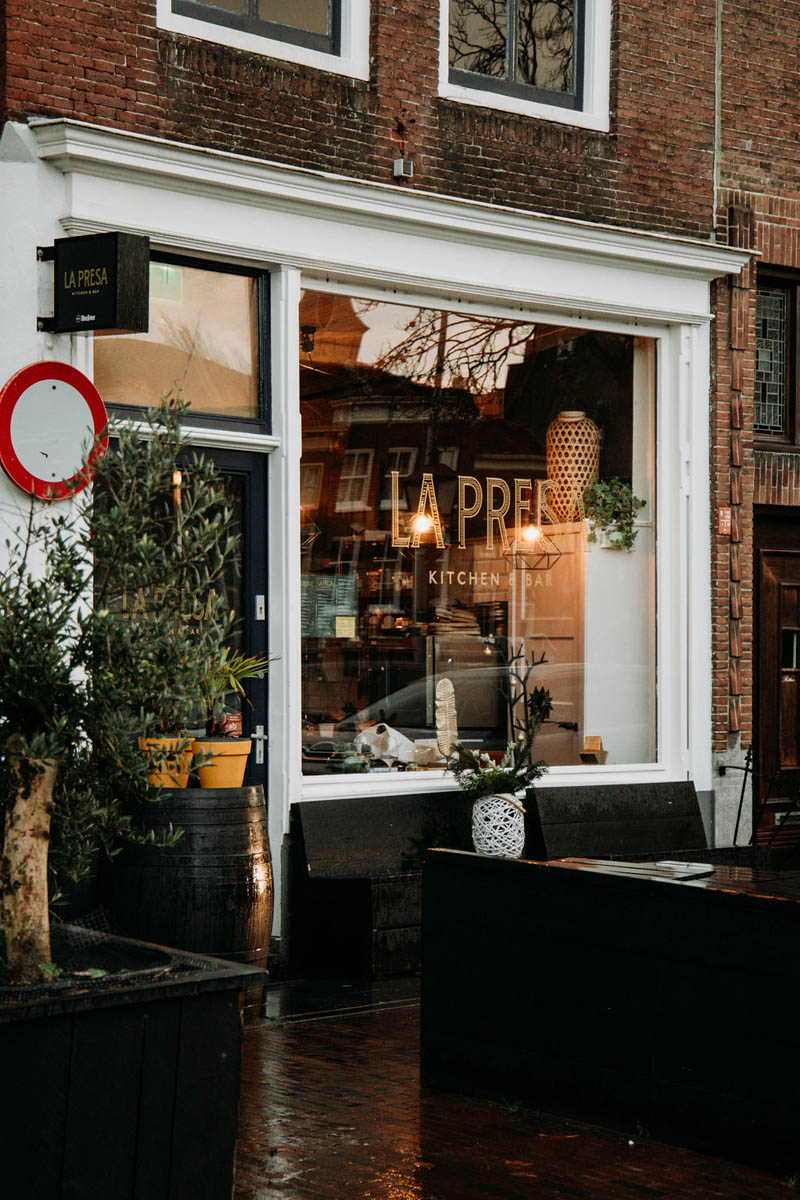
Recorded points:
(758,204)
(107,63)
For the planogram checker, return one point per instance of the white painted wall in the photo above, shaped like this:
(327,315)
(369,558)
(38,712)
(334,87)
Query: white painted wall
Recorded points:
(32,197)
(620,634)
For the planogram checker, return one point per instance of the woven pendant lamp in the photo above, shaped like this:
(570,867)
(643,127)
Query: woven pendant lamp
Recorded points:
(573,461)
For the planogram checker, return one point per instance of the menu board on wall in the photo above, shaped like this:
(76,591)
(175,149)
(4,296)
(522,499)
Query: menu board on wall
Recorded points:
(329,606)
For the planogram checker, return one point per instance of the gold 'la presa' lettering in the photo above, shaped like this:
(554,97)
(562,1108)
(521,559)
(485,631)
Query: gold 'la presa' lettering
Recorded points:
(85,277)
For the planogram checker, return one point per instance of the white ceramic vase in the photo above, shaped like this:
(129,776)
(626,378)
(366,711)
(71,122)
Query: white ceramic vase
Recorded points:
(498,825)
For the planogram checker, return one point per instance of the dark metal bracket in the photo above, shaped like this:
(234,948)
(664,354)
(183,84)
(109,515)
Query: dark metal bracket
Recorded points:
(45,254)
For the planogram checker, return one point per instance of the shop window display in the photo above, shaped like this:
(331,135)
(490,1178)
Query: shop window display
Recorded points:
(433,545)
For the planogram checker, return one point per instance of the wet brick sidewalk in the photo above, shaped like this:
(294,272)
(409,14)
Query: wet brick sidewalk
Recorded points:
(332,1107)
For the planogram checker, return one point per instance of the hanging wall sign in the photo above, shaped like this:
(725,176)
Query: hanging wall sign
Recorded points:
(100,281)
(51,418)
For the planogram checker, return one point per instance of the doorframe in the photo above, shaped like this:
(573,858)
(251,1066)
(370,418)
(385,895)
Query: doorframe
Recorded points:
(253,467)
(775,530)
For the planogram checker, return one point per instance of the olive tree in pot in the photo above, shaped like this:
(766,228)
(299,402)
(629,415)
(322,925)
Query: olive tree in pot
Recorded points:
(136,1049)
(96,652)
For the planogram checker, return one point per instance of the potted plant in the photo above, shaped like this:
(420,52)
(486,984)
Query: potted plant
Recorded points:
(168,750)
(497,789)
(221,756)
(94,648)
(610,508)
(93,638)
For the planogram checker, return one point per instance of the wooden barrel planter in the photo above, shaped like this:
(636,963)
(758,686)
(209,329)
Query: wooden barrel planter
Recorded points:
(212,893)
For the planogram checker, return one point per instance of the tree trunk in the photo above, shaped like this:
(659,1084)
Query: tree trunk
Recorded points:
(23,872)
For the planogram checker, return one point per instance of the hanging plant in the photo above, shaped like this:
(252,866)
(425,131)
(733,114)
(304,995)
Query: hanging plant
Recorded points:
(611,507)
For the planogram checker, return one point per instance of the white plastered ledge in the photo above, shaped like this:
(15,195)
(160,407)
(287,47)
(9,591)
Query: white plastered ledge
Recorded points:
(230,205)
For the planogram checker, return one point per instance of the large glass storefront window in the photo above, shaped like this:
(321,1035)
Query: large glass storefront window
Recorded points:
(443,483)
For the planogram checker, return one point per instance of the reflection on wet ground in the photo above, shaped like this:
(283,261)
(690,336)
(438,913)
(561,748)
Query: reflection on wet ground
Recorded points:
(332,1107)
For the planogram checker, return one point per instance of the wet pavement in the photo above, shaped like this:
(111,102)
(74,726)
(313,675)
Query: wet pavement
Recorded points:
(331,1106)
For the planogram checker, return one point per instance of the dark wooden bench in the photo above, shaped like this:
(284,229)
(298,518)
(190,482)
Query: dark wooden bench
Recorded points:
(354,878)
(355,862)
(612,820)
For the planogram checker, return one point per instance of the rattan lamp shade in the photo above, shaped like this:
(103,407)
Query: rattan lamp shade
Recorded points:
(573,461)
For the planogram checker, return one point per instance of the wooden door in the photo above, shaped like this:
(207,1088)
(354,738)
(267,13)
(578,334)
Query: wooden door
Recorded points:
(778,679)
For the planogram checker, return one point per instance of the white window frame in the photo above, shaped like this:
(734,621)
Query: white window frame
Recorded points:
(594,113)
(359,504)
(352,59)
(393,464)
(307,467)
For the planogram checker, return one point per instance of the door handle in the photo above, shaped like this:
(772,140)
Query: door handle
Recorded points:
(260,738)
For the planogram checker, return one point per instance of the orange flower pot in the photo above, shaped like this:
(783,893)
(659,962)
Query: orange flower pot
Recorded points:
(226,766)
(170,766)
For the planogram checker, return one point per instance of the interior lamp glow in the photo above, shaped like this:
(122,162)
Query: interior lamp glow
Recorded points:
(530,534)
(421,523)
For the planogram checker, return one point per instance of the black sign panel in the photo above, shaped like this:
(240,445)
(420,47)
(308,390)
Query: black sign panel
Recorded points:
(101,282)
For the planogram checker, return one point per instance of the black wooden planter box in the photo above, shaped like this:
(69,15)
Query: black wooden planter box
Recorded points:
(624,994)
(125,1090)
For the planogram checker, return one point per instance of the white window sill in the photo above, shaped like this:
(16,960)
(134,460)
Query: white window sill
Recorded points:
(395,783)
(352,62)
(528,108)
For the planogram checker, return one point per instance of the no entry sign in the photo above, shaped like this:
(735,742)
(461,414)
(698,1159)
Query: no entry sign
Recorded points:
(52,427)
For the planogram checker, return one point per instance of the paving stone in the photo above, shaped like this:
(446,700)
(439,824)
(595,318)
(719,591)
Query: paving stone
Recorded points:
(332,1108)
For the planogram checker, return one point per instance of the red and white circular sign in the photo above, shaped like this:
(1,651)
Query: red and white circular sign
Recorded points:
(52,428)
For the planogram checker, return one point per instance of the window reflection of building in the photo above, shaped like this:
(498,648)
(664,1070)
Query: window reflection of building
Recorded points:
(387,388)
(202,345)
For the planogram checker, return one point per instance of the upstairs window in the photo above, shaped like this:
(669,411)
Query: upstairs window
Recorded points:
(775,401)
(531,49)
(314,24)
(328,35)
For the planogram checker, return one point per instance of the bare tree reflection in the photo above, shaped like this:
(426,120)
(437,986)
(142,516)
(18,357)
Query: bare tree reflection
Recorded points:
(478,36)
(458,356)
(543,32)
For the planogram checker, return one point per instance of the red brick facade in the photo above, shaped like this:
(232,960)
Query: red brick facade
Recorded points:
(108,64)
(758,205)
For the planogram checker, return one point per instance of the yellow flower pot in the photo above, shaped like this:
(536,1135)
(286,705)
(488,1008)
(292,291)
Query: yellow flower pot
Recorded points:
(226,767)
(170,767)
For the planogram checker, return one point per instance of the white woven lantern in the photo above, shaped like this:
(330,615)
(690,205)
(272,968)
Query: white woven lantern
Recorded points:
(573,461)
(498,826)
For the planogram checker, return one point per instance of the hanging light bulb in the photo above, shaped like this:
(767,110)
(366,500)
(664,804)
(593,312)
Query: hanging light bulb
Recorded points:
(530,534)
(421,523)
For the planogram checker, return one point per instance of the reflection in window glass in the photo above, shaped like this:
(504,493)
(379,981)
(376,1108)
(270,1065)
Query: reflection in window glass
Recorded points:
(354,480)
(545,46)
(525,42)
(311,15)
(478,36)
(202,343)
(232,6)
(429,433)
